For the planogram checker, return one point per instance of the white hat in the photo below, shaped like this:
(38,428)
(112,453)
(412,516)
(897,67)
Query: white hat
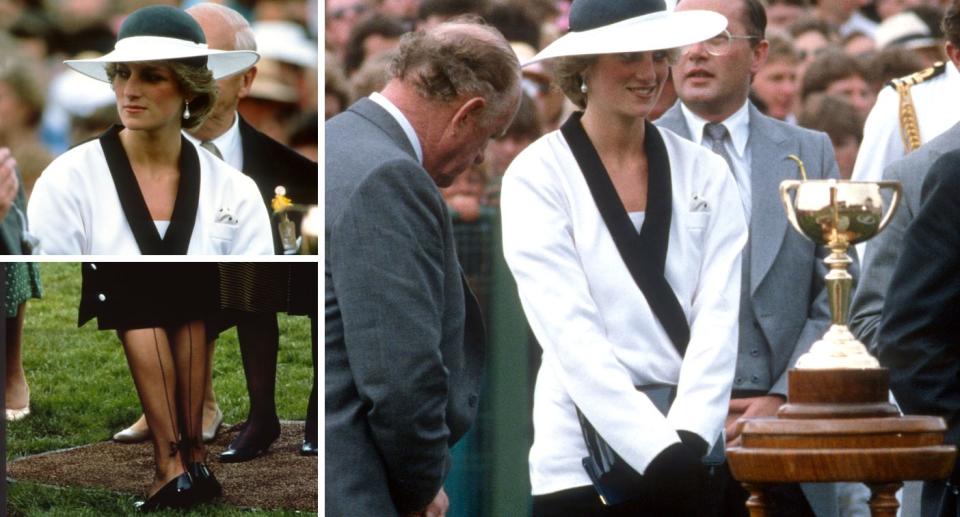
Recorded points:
(613,27)
(285,41)
(162,32)
(904,29)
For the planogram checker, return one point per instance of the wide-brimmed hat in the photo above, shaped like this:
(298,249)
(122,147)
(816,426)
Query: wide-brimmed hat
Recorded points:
(617,26)
(162,32)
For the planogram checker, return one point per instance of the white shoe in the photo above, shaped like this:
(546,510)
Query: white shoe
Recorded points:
(136,433)
(17,414)
(211,431)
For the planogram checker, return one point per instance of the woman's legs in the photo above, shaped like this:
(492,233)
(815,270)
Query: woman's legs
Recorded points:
(190,358)
(150,358)
(18,392)
(210,408)
(259,338)
(139,430)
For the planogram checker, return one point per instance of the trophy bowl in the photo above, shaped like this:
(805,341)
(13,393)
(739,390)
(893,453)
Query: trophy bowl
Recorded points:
(838,214)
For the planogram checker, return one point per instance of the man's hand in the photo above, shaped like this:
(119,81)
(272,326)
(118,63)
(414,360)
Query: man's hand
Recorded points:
(437,508)
(766,405)
(8,181)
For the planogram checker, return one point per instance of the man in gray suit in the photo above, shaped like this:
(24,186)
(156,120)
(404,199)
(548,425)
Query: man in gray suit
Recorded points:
(783,306)
(404,338)
(880,257)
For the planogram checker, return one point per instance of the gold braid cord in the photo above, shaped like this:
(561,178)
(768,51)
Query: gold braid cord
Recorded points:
(909,128)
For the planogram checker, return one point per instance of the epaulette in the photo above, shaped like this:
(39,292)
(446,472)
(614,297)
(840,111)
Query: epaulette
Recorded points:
(909,129)
(918,77)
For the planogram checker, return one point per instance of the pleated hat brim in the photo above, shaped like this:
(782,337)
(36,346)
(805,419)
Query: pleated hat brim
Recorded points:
(134,49)
(654,31)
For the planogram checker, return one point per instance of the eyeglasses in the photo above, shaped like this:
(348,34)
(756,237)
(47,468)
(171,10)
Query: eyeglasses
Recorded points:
(719,45)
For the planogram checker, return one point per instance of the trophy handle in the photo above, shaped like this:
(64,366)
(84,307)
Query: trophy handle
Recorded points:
(785,187)
(894,201)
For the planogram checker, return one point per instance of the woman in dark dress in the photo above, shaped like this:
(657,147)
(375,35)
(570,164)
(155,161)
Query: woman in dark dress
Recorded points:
(158,311)
(251,295)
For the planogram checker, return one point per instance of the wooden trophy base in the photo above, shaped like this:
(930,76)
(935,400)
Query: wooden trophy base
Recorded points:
(838,425)
(838,393)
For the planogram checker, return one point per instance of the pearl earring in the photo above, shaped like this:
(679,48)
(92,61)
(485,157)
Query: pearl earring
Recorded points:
(583,87)
(186,111)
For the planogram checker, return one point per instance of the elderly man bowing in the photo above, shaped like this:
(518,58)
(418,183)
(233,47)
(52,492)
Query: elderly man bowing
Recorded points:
(404,337)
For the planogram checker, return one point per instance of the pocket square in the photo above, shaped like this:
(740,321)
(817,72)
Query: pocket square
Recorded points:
(699,204)
(225,215)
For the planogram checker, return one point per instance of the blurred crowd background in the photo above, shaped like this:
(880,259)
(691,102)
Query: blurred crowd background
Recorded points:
(45,108)
(828,60)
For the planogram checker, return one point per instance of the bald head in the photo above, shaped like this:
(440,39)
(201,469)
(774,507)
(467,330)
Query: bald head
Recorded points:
(224,28)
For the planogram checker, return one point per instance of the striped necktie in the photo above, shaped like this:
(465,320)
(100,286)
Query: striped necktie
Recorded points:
(210,146)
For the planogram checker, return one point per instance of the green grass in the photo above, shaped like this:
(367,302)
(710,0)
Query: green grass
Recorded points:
(81,392)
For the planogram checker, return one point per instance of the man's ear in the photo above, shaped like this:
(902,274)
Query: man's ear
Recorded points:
(953,53)
(248,78)
(469,111)
(759,56)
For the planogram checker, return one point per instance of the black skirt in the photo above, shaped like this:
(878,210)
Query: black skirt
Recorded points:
(254,287)
(263,288)
(144,295)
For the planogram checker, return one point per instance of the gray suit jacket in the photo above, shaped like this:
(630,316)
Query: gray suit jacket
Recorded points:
(403,353)
(787,294)
(882,252)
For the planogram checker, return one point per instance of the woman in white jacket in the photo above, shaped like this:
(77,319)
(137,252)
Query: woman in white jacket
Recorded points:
(625,243)
(142,188)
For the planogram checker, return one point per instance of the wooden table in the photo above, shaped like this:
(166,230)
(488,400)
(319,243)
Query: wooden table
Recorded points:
(831,438)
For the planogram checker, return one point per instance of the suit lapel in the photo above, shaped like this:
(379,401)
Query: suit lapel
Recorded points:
(674,121)
(769,149)
(254,160)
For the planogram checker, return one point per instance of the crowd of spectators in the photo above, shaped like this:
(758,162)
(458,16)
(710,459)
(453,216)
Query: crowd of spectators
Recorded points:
(45,108)
(827,62)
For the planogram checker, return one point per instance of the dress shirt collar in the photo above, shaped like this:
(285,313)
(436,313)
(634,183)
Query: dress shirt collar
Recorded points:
(228,144)
(738,125)
(395,112)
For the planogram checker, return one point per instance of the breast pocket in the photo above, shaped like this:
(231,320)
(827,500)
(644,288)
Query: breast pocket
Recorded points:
(697,221)
(221,237)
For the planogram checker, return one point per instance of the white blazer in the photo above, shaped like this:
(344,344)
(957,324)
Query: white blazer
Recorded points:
(75,209)
(598,333)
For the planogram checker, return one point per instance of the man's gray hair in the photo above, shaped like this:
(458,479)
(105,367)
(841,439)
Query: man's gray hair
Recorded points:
(461,57)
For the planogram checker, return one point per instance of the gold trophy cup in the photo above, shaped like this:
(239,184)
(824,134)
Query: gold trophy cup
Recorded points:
(838,424)
(838,214)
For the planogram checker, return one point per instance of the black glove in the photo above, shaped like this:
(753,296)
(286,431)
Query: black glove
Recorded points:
(693,440)
(676,480)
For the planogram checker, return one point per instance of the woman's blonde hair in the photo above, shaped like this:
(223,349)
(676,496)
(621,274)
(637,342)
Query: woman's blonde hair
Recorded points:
(195,82)
(568,74)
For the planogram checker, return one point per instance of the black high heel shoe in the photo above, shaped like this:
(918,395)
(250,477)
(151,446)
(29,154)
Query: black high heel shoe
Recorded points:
(235,454)
(205,484)
(178,493)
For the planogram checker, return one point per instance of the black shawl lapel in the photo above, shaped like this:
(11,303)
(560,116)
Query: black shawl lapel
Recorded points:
(177,238)
(645,253)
